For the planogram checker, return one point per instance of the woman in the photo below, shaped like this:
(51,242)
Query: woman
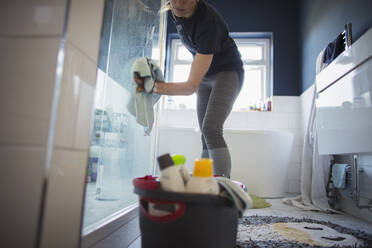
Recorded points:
(216,74)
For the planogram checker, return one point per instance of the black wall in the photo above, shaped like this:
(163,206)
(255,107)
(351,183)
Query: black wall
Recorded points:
(321,22)
(281,17)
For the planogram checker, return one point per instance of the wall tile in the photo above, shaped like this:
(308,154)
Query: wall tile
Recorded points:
(275,120)
(294,120)
(32,17)
(20,190)
(237,119)
(84,26)
(289,104)
(84,116)
(76,99)
(253,120)
(23,130)
(64,200)
(174,118)
(28,80)
(68,99)
(261,120)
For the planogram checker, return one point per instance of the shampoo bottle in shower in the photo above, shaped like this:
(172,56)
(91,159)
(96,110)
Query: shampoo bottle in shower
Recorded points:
(179,161)
(170,177)
(202,180)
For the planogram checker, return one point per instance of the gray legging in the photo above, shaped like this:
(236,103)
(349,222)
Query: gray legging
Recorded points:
(215,98)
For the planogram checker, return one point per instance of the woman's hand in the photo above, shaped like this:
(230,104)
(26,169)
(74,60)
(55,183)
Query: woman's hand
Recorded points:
(140,83)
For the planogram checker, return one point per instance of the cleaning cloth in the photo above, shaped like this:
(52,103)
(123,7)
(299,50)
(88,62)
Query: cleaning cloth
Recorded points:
(141,104)
(339,175)
(232,191)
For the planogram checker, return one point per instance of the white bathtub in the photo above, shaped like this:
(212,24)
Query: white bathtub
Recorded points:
(260,158)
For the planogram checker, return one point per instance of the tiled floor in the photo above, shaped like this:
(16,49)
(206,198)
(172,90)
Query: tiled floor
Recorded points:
(136,243)
(282,210)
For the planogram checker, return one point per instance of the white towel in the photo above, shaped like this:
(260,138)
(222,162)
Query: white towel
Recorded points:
(314,167)
(141,104)
(231,190)
(339,175)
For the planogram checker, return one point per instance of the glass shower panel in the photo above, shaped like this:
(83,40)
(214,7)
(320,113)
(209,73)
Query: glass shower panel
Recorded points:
(119,149)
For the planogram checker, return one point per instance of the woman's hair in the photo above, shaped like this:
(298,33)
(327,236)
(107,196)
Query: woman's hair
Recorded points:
(166,6)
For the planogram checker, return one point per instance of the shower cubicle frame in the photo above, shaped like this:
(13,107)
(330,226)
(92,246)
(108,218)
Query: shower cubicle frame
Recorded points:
(125,221)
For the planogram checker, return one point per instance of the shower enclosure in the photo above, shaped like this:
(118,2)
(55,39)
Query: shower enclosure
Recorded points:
(119,150)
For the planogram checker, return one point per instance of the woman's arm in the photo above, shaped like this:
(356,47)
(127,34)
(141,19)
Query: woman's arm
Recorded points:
(199,68)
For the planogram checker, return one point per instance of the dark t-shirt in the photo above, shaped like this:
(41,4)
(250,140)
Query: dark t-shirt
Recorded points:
(206,32)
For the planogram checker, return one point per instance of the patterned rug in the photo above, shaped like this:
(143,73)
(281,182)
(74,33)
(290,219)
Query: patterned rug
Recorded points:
(270,231)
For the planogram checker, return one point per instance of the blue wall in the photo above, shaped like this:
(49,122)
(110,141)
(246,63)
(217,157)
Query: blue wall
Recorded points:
(277,16)
(321,22)
(301,29)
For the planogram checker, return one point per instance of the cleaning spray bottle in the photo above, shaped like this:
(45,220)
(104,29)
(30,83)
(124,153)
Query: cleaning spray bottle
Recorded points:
(202,180)
(170,177)
(179,160)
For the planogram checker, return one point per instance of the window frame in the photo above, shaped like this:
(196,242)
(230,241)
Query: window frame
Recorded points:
(261,39)
(264,63)
(175,44)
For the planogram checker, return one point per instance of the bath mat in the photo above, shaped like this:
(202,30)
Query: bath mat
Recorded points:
(258,202)
(271,231)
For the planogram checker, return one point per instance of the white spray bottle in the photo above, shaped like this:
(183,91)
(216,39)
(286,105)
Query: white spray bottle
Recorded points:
(170,177)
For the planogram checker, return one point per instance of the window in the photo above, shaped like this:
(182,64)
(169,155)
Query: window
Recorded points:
(256,88)
(180,64)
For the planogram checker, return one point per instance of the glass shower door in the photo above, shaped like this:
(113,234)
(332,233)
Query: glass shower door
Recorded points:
(120,150)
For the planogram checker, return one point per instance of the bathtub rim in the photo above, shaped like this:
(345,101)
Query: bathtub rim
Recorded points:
(230,130)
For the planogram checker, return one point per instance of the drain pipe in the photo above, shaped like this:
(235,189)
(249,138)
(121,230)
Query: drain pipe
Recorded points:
(355,183)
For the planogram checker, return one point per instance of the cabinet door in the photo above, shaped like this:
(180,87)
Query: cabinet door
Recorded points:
(344,113)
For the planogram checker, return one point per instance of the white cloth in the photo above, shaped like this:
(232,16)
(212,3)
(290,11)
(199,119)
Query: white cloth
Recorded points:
(339,175)
(314,167)
(141,104)
(234,192)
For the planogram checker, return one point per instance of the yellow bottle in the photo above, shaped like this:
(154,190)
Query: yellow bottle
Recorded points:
(202,180)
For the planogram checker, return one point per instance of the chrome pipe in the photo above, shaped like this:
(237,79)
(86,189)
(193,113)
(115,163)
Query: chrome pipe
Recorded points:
(355,184)
(355,178)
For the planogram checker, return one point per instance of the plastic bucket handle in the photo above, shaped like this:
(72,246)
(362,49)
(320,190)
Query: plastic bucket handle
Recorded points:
(166,218)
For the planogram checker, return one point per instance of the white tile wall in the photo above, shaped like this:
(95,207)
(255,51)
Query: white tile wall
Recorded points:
(28,78)
(84,116)
(64,202)
(65,191)
(85,21)
(30,38)
(286,104)
(76,100)
(22,171)
(32,17)
(175,118)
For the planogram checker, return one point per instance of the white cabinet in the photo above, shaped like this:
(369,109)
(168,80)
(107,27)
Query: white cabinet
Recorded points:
(344,110)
